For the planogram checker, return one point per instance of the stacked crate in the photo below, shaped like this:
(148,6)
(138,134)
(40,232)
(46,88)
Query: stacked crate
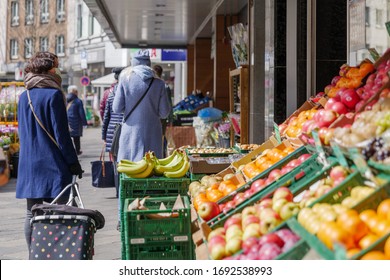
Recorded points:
(148,234)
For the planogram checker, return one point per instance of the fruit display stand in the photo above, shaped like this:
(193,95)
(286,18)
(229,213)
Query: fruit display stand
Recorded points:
(154,232)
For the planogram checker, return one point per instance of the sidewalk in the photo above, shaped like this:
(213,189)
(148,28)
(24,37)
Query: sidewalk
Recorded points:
(12,210)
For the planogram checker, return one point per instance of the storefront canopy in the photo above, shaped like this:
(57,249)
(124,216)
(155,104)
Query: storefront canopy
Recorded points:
(104,81)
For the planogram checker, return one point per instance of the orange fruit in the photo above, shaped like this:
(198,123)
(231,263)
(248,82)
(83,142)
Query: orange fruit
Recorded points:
(260,160)
(350,221)
(386,248)
(365,215)
(383,209)
(214,195)
(382,227)
(374,255)
(289,150)
(367,240)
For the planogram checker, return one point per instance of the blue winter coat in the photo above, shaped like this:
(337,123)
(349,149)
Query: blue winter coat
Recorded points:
(76,115)
(43,167)
(110,120)
(142,131)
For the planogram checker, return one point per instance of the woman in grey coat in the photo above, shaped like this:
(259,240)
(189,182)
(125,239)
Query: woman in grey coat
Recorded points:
(142,131)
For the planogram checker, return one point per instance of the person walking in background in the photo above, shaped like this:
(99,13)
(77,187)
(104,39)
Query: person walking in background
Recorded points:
(110,119)
(47,158)
(106,93)
(142,131)
(76,117)
(168,121)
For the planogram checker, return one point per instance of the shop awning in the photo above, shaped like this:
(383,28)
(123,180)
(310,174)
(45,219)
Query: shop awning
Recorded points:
(104,81)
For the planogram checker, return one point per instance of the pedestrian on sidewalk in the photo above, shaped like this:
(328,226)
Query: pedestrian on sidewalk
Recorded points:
(76,116)
(167,121)
(110,119)
(106,93)
(47,158)
(142,131)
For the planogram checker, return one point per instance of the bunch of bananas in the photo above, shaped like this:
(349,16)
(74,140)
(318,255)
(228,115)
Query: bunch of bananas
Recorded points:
(174,166)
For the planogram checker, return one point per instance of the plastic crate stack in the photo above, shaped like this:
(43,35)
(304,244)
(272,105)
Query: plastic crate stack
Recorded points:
(152,233)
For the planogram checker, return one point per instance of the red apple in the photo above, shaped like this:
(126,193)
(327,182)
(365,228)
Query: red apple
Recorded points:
(271,238)
(239,198)
(288,210)
(325,117)
(275,174)
(250,219)
(218,231)
(268,212)
(278,204)
(269,251)
(233,246)
(293,163)
(286,234)
(234,231)
(265,203)
(232,221)
(249,210)
(304,157)
(335,80)
(216,239)
(350,98)
(337,172)
(252,230)
(248,243)
(217,252)
(283,192)
(339,108)
(286,169)
(208,210)
(258,185)
(248,193)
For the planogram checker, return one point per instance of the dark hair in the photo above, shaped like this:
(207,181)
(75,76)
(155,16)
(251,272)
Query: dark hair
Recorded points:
(41,62)
(158,69)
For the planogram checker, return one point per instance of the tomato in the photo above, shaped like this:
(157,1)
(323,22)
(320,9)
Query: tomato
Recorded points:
(374,255)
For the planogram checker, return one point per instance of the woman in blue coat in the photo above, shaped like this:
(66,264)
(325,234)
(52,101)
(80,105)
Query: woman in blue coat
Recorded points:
(76,117)
(142,131)
(46,165)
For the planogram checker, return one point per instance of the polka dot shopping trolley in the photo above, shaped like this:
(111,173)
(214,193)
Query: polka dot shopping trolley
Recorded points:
(64,231)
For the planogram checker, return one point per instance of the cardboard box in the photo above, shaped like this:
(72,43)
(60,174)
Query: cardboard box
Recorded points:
(201,165)
(305,106)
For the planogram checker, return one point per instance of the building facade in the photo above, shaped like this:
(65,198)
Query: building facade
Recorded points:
(36,25)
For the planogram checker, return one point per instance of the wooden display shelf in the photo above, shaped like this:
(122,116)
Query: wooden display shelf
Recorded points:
(239,97)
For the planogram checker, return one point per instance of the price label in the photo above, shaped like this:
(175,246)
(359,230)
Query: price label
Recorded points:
(388,27)
(362,166)
(339,155)
(277,133)
(374,53)
(319,148)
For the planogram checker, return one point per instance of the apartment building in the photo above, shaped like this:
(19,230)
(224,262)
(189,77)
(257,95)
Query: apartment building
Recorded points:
(36,25)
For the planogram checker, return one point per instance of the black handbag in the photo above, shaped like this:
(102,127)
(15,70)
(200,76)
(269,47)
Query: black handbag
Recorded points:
(118,127)
(103,174)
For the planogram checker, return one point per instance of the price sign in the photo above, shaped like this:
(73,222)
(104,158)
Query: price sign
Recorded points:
(277,133)
(362,166)
(339,155)
(319,148)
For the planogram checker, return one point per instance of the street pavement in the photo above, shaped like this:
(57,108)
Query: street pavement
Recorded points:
(12,211)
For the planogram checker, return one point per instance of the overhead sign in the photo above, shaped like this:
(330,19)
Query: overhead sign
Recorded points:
(173,55)
(155,54)
(84,80)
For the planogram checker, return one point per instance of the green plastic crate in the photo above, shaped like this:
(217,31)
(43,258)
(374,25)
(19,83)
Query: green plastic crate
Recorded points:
(336,196)
(294,155)
(310,167)
(138,224)
(155,186)
(160,251)
(379,166)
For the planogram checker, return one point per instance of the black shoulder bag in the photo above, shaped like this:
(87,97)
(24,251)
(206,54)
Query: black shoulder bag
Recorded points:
(118,127)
